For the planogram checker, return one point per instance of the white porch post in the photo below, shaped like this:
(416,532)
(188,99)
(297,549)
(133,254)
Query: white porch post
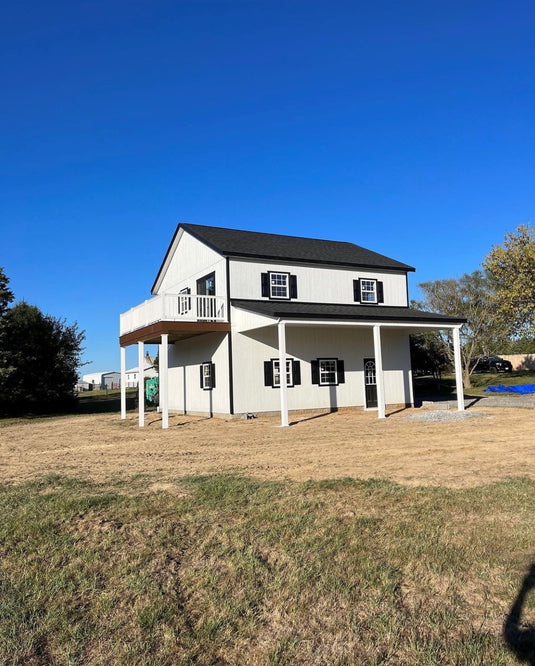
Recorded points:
(282,372)
(458,368)
(141,383)
(123,383)
(164,379)
(379,371)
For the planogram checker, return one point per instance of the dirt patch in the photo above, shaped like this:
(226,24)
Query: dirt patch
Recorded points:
(493,444)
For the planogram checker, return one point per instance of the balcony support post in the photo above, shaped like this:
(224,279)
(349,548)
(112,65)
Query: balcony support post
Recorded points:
(123,383)
(163,373)
(141,383)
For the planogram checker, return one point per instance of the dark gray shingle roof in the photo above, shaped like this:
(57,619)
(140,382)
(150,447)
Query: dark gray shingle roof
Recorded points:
(254,244)
(296,310)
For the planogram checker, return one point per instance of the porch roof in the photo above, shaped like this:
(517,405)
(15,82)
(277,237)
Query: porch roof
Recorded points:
(377,313)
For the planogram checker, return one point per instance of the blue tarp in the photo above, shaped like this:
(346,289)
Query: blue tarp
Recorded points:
(519,388)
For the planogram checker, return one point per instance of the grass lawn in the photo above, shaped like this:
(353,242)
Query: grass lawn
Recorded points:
(480,381)
(227,570)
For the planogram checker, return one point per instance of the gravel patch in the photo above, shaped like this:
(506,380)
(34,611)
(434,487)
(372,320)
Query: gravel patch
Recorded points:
(443,415)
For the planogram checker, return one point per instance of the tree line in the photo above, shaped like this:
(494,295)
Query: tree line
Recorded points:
(39,357)
(497,301)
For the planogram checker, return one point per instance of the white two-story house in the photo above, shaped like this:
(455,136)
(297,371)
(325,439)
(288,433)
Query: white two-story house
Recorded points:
(231,308)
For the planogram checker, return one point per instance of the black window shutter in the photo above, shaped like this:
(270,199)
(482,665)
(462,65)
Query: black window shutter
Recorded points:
(296,373)
(293,286)
(213,374)
(315,369)
(268,373)
(200,367)
(380,293)
(341,372)
(356,290)
(265,284)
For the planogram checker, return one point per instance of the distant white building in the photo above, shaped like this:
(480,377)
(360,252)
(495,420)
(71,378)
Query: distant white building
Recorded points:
(132,375)
(102,380)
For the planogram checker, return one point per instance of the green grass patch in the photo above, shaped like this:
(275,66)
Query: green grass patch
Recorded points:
(227,570)
(427,386)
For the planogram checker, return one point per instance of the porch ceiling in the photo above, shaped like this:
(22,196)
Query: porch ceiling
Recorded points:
(177,330)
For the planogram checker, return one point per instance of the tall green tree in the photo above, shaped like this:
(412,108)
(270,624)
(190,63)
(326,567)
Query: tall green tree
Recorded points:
(6,295)
(471,297)
(511,267)
(39,360)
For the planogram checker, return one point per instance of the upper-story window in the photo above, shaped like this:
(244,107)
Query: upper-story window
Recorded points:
(368,291)
(278,285)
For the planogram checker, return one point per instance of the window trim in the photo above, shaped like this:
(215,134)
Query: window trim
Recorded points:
(279,298)
(367,291)
(290,362)
(209,376)
(333,360)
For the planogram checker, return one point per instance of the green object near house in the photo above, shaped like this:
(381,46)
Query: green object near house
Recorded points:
(151,389)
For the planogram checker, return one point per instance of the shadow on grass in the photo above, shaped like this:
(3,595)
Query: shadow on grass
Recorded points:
(520,637)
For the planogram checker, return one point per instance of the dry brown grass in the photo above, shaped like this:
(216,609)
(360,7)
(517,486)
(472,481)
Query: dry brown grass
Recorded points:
(492,445)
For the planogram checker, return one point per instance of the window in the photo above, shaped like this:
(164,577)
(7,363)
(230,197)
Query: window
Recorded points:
(184,302)
(368,291)
(276,373)
(278,285)
(272,373)
(327,371)
(327,367)
(207,376)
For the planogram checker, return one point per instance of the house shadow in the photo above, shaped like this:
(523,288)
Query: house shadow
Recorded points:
(519,636)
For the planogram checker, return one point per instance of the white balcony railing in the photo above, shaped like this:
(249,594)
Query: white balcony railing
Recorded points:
(173,307)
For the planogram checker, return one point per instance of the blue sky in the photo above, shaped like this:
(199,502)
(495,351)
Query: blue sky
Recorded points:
(405,127)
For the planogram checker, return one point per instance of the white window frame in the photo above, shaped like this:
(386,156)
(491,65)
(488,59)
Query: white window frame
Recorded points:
(289,372)
(368,286)
(278,274)
(184,301)
(322,371)
(206,376)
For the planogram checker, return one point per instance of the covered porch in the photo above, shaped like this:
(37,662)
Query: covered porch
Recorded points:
(164,320)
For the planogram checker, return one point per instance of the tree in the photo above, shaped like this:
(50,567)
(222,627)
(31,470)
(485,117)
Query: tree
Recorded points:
(511,268)
(428,354)
(39,359)
(6,295)
(470,297)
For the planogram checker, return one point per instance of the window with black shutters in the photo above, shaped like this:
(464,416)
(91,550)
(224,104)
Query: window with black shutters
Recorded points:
(272,373)
(207,372)
(278,285)
(368,291)
(327,371)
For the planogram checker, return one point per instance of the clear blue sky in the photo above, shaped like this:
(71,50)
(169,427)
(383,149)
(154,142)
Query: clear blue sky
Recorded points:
(407,127)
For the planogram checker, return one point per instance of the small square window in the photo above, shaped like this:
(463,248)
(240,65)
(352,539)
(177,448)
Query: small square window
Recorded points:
(279,285)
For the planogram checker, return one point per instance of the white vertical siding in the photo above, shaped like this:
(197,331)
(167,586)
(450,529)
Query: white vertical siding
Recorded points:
(316,284)
(193,260)
(185,358)
(304,343)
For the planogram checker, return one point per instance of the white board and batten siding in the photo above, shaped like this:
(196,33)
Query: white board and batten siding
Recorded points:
(316,284)
(185,359)
(191,261)
(350,344)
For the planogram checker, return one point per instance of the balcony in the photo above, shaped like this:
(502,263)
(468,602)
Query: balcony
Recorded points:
(173,308)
